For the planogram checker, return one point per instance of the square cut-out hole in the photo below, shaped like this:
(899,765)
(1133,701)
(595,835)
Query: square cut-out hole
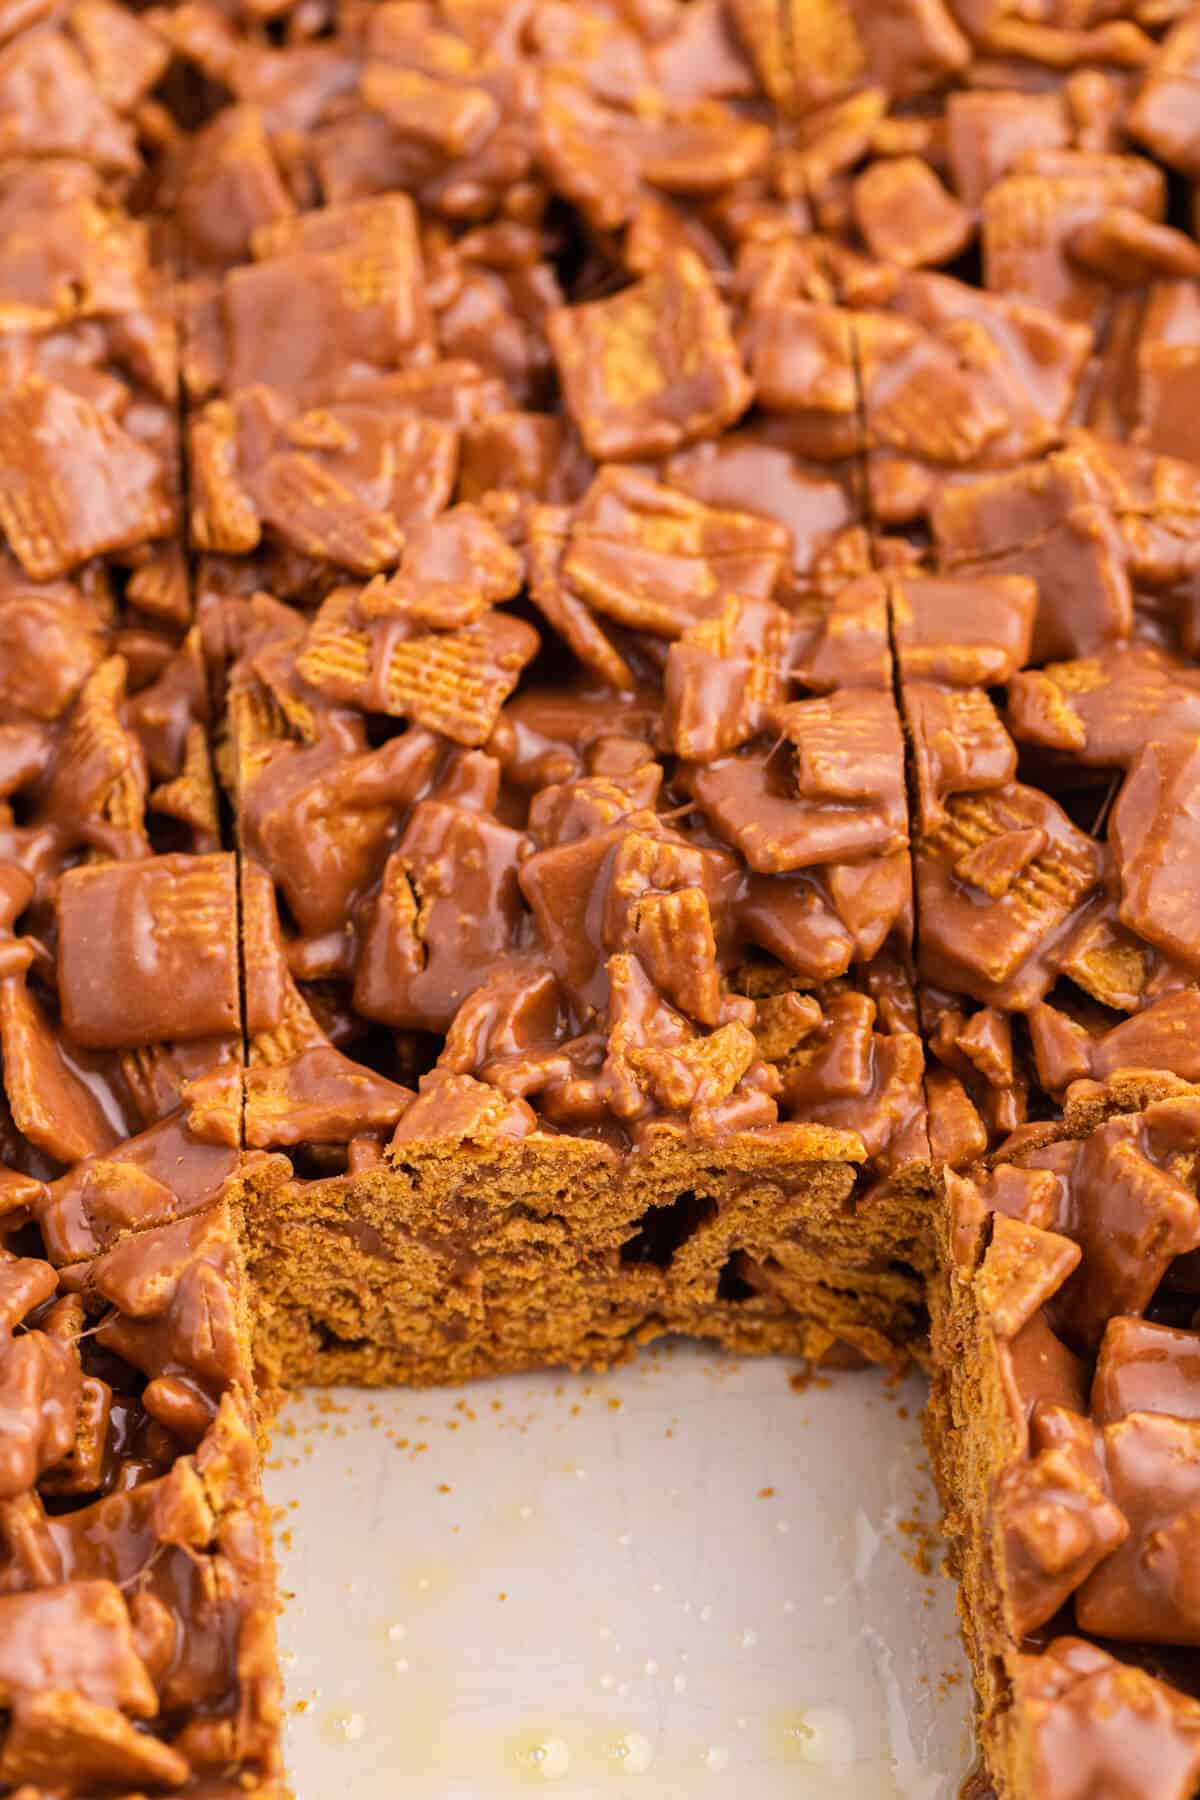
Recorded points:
(665,1229)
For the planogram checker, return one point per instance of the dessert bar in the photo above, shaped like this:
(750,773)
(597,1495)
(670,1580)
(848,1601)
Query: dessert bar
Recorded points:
(599,737)
(1063,1423)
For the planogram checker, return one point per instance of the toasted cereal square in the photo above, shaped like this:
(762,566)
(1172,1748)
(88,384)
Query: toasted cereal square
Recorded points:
(652,367)
(147,951)
(906,214)
(73,483)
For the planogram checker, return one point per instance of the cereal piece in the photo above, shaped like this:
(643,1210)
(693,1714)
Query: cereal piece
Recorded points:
(448,906)
(558,884)
(458,1109)
(1101,709)
(1164,113)
(338,483)
(572,809)
(964,632)
(525,453)
(223,515)
(518,1009)
(1125,247)
(54,638)
(1108,962)
(1063,1049)
(844,798)
(1144,1368)
(654,560)
(1130,1215)
(748,471)
(1153,837)
(348,282)
(51,106)
(1058,1519)
(454,682)
(1024,1265)
(657,1063)
(1141,1589)
(125,56)
(599,156)
(451,117)
(322,518)
(835,139)
(920,401)
(1020,849)
(657,904)
(835,54)
(623,863)
(1168,368)
(1047,521)
(229,188)
(959,746)
(989,130)
(1029,219)
(95,786)
(817,49)
(725,676)
(562,609)
(41,1382)
(1005,400)
(85,1628)
(1087,1718)
(453,568)
(802,360)
(53,1731)
(148,950)
(323,826)
(848,1069)
(1117,41)
(1161,1036)
(106,491)
(906,216)
(318,1096)
(69,254)
(651,368)
(51,1103)
(672,937)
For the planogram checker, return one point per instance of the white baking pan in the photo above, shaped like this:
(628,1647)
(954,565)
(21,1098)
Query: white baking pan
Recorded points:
(684,1578)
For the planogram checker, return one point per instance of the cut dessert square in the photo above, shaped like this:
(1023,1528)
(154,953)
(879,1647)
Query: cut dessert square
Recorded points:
(427,896)
(1053,801)
(662,1037)
(136,1583)
(112,866)
(1063,1427)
